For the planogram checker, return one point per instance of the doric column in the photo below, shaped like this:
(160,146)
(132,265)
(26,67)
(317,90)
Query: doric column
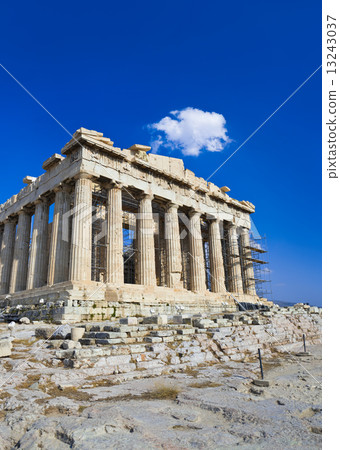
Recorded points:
(247,264)
(197,265)
(38,258)
(1,234)
(81,241)
(236,284)
(173,247)
(21,251)
(146,243)
(58,267)
(115,261)
(6,255)
(216,258)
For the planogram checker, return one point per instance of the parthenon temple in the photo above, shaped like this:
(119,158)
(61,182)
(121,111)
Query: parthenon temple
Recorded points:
(109,232)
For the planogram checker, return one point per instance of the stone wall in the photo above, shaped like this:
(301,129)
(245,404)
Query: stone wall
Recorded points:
(160,344)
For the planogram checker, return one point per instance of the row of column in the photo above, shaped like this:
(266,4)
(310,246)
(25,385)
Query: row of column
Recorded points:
(70,259)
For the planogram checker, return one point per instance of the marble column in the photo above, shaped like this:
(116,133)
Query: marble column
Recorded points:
(216,258)
(38,257)
(235,274)
(81,241)
(6,255)
(115,261)
(173,247)
(58,267)
(247,265)
(197,264)
(1,234)
(146,243)
(21,252)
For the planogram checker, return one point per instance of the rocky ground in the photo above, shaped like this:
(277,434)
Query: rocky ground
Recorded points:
(45,405)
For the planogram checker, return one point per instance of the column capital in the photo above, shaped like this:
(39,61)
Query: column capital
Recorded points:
(112,184)
(24,210)
(214,218)
(245,230)
(10,219)
(172,205)
(84,176)
(62,187)
(193,212)
(40,200)
(147,196)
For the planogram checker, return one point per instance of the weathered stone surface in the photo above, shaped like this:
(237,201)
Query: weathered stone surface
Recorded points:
(159,320)
(5,347)
(129,321)
(25,320)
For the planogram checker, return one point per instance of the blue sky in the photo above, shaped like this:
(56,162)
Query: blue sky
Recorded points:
(117,67)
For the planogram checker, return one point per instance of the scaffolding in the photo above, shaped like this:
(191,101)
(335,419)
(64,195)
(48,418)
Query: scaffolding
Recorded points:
(160,244)
(99,245)
(234,253)
(206,252)
(259,257)
(231,257)
(130,252)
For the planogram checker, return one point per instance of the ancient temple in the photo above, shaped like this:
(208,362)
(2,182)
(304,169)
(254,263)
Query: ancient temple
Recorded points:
(109,232)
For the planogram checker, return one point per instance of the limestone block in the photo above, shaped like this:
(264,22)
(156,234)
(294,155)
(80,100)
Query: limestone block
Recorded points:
(55,343)
(157,348)
(153,340)
(108,335)
(194,358)
(186,331)
(43,333)
(159,320)
(177,319)
(162,333)
(66,354)
(29,180)
(113,360)
(168,339)
(129,321)
(5,347)
(137,348)
(125,368)
(68,345)
(153,364)
(204,323)
(52,161)
(108,341)
(25,320)
(120,350)
(63,332)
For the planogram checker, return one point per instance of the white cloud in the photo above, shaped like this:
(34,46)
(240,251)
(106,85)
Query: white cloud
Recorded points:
(191,130)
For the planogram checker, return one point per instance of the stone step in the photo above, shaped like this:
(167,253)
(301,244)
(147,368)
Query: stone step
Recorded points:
(162,333)
(105,335)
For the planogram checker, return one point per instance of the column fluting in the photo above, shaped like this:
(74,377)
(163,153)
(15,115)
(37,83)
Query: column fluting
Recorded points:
(81,241)
(59,256)
(173,247)
(216,258)
(38,257)
(21,253)
(247,264)
(146,243)
(115,261)
(236,284)
(197,265)
(6,255)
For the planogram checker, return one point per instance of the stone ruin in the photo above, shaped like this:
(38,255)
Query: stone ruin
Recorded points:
(132,234)
(149,346)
